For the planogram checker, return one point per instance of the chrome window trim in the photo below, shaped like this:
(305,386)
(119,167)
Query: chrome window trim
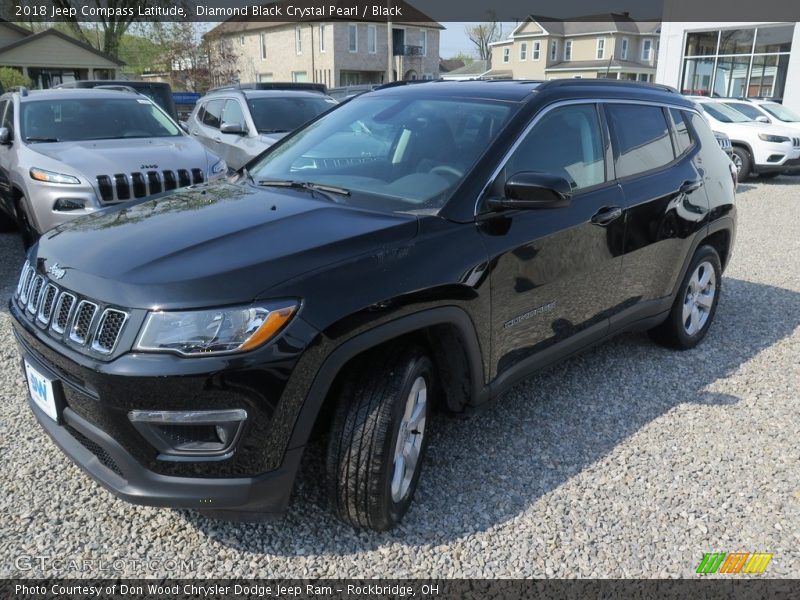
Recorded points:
(95,346)
(558,104)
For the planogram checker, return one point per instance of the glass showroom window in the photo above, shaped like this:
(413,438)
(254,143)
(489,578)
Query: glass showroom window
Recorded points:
(737,62)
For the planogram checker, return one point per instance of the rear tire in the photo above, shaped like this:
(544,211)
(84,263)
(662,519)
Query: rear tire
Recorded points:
(695,304)
(378,437)
(743,161)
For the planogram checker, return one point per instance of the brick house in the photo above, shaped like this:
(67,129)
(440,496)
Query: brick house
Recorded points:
(336,53)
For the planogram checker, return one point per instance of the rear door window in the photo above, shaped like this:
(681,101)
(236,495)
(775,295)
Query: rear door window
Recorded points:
(213,114)
(640,136)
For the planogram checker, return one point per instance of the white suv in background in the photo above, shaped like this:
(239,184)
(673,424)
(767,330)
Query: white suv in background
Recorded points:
(766,111)
(758,148)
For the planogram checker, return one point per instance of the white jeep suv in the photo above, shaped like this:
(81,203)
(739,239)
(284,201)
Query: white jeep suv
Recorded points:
(758,148)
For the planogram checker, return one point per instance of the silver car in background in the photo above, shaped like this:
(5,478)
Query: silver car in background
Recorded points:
(68,153)
(239,124)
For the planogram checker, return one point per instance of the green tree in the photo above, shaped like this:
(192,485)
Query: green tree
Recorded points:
(11,78)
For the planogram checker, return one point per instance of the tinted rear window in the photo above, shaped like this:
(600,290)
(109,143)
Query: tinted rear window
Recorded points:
(273,115)
(641,138)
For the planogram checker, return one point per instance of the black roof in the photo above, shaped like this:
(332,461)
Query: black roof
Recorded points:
(516,90)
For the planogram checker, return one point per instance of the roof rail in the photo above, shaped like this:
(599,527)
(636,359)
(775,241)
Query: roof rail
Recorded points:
(116,88)
(19,88)
(599,82)
(274,85)
(392,84)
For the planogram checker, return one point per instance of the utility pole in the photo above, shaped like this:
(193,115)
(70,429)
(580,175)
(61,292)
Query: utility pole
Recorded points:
(389,52)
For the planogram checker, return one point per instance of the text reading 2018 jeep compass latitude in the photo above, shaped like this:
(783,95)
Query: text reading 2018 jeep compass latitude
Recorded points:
(422,245)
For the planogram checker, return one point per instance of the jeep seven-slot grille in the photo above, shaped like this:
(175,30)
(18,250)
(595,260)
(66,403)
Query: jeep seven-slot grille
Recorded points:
(79,322)
(124,186)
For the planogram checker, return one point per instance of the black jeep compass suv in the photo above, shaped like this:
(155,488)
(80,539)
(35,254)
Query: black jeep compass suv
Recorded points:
(421,246)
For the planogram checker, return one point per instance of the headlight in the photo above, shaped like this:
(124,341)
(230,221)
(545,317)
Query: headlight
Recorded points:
(777,139)
(216,331)
(219,167)
(50,177)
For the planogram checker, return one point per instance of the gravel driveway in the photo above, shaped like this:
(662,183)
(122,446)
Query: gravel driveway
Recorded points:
(629,461)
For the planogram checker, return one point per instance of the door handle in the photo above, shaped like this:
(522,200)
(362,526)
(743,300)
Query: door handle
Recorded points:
(218,140)
(690,186)
(604,216)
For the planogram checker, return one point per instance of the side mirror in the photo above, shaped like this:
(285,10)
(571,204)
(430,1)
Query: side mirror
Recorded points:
(529,189)
(5,136)
(236,128)
(184,125)
(763,119)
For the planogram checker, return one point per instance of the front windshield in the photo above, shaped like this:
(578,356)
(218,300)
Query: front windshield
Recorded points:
(73,119)
(724,113)
(781,113)
(392,153)
(277,115)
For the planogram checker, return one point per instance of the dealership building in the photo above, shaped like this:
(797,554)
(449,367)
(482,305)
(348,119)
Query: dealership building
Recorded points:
(732,59)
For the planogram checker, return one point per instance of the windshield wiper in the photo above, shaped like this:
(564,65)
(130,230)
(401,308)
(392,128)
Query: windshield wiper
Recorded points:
(304,185)
(38,138)
(272,130)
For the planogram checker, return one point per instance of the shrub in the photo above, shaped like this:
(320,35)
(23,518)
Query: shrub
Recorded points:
(11,77)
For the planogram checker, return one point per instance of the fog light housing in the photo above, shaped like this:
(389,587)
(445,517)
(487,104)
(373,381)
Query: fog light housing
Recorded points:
(199,435)
(775,158)
(68,204)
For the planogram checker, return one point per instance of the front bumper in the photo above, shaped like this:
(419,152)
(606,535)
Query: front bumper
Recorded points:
(96,433)
(105,461)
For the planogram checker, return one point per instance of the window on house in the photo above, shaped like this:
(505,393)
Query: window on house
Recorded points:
(568,50)
(647,47)
(352,42)
(601,48)
(299,76)
(536,50)
(423,41)
(623,53)
(298,40)
(506,54)
(263,41)
(322,38)
(372,39)
(523,51)
(553,49)
(265,76)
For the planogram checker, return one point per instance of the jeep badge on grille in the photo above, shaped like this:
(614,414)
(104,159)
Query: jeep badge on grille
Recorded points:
(55,271)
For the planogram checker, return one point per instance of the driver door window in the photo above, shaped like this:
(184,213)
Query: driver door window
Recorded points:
(566,141)
(233,114)
(213,113)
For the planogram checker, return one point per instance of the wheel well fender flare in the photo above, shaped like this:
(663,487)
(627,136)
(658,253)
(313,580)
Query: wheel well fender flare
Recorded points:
(386,332)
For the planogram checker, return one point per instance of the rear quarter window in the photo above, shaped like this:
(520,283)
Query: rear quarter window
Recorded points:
(640,136)
(683,137)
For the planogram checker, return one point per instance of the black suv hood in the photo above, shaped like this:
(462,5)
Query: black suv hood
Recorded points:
(214,245)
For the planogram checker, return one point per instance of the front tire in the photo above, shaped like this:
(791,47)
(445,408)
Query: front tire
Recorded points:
(695,305)
(378,437)
(743,162)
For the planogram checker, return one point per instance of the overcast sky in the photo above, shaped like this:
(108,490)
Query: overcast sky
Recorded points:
(453,39)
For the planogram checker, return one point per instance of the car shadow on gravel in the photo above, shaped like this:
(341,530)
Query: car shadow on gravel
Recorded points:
(484,471)
(12,258)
